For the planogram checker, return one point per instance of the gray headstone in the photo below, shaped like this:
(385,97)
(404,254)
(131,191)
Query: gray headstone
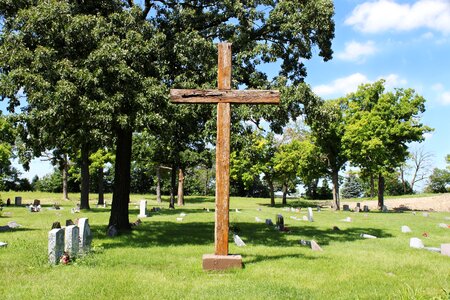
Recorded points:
(357,209)
(416,243)
(406,229)
(143,209)
(366,208)
(112,231)
(238,241)
(13,224)
(85,235)
(71,240)
(310,215)
(442,225)
(445,249)
(345,207)
(269,222)
(425,214)
(358,205)
(55,245)
(280,222)
(318,208)
(384,209)
(18,201)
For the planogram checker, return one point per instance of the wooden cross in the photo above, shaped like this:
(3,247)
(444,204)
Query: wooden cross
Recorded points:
(223,96)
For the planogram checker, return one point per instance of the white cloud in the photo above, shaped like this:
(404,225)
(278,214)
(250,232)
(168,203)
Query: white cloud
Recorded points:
(393,81)
(385,15)
(438,87)
(345,85)
(355,51)
(341,86)
(445,98)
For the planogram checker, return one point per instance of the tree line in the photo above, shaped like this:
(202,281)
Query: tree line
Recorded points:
(86,85)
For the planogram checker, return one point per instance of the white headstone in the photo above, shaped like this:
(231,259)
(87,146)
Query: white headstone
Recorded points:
(416,243)
(315,246)
(179,219)
(238,241)
(406,229)
(13,224)
(425,214)
(310,215)
(3,244)
(348,219)
(445,249)
(442,225)
(182,215)
(368,236)
(55,245)
(85,235)
(258,220)
(71,240)
(142,209)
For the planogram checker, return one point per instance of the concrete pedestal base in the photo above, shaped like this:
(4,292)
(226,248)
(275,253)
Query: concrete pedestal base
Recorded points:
(221,262)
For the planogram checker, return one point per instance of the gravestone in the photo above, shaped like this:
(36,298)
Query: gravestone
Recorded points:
(36,202)
(415,243)
(18,201)
(445,249)
(425,214)
(345,207)
(3,244)
(71,240)
(310,215)
(406,229)
(357,209)
(384,209)
(315,246)
(55,245)
(143,209)
(318,208)
(280,222)
(223,96)
(366,208)
(358,205)
(368,236)
(238,241)
(443,225)
(85,235)
(269,222)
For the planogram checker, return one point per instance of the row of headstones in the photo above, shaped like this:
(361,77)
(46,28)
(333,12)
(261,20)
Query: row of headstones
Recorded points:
(346,207)
(71,240)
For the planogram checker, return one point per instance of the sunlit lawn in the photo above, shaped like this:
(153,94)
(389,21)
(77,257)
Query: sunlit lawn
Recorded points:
(161,258)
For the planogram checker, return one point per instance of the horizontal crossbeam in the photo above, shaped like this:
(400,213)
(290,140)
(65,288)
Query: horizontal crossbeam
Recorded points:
(225,96)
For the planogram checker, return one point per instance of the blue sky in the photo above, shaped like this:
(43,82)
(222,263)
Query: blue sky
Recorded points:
(406,42)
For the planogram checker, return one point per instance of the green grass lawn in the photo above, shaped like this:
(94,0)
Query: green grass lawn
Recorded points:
(162,258)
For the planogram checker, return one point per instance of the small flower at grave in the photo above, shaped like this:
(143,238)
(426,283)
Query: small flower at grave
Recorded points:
(425,234)
(65,258)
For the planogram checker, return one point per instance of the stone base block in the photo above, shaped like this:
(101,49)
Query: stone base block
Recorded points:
(221,262)
(142,216)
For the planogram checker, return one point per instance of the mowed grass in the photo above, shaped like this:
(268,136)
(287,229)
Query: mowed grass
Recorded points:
(162,258)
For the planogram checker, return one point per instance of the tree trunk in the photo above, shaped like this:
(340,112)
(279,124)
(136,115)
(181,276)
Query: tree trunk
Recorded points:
(336,200)
(158,184)
(284,188)
(84,203)
(402,177)
(173,178)
(207,182)
(380,191)
(101,196)
(272,193)
(65,172)
(180,196)
(121,195)
(372,186)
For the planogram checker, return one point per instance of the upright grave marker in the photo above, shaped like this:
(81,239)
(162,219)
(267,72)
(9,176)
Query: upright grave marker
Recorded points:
(223,97)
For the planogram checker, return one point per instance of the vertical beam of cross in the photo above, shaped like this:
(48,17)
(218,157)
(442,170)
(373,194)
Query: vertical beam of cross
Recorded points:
(223,154)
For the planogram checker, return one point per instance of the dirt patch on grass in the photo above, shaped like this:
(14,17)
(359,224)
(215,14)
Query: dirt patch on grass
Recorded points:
(439,202)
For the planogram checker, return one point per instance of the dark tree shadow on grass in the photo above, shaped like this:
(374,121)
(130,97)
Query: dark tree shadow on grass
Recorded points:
(150,234)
